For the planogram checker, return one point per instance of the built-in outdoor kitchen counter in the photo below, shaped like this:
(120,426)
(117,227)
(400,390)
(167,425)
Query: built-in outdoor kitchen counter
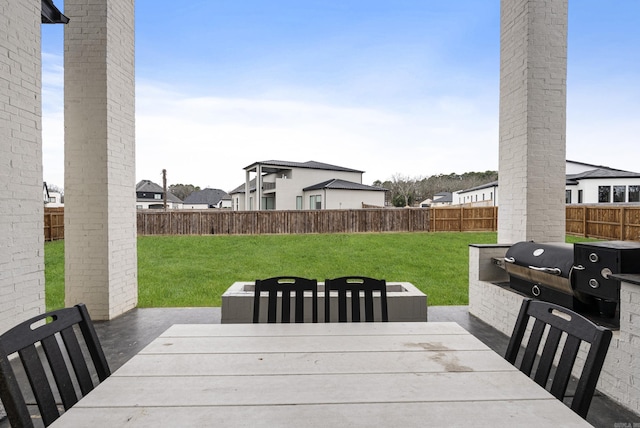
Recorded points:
(577,276)
(492,300)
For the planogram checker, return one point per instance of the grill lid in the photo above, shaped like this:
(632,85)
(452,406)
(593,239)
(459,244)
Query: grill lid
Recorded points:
(551,258)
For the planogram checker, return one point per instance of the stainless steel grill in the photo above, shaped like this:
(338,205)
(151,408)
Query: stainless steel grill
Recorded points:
(575,276)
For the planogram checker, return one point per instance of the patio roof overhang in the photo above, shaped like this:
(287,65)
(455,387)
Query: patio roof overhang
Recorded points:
(50,14)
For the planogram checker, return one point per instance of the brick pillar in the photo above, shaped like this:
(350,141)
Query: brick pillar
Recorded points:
(21,196)
(100,217)
(533,70)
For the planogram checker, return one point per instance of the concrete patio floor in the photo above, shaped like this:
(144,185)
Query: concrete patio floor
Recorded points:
(126,335)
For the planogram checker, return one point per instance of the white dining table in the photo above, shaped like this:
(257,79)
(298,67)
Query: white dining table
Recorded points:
(318,375)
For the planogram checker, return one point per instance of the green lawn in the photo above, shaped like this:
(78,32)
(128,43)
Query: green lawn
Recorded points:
(175,271)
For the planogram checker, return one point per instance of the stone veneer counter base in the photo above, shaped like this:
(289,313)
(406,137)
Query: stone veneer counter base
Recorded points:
(498,306)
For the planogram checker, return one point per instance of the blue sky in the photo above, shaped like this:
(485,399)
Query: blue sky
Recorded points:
(405,87)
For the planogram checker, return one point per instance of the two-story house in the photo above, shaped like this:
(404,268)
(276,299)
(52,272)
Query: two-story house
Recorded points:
(284,185)
(150,195)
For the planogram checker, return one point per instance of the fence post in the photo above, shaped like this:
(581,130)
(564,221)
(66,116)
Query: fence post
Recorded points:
(584,222)
(432,219)
(47,228)
(622,223)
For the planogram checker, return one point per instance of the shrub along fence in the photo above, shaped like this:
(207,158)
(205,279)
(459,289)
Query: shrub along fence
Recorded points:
(616,222)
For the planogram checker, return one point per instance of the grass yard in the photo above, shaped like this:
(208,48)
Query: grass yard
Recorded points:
(182,271)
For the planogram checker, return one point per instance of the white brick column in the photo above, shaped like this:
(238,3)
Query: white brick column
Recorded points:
(533,69)
(21,197)
(100,217)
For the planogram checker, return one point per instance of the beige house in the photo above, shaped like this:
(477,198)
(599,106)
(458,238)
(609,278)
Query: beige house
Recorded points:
(284,185)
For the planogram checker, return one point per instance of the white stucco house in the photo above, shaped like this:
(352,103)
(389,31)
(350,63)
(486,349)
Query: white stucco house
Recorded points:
(54,200)
(285,185)
(485,195)
(585,184)
(51,199)
(589,185)
(441,199)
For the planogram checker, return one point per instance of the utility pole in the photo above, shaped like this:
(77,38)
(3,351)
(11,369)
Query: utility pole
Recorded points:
(164,188)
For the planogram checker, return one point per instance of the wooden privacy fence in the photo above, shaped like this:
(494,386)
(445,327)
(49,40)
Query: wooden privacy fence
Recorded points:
(53,224)
(615,222)
(620,222)
(289,222)
(463,219)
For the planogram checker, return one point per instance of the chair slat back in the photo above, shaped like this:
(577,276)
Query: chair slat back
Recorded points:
(353,286)
(281,289)
(63,356)
(558,322)
(60,371)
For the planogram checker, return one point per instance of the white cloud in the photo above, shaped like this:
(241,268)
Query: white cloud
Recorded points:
(207,141)
(419,100)
(602,122)
(53,118)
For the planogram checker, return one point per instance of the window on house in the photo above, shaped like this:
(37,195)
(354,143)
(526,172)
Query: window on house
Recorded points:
(298,202)
(604,194)
(619,193)
(139,207)
(634,193)
(315,202)
(268,203)
(567,196)
(580,196)
(157,196)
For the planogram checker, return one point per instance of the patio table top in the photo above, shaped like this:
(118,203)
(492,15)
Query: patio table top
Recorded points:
(353,374)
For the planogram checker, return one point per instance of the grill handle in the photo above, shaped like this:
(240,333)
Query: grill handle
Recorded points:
(552,271)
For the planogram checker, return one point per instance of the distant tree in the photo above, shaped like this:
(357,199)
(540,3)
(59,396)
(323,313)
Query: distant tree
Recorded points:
(454,182)
(387,195)
(406,191)
(183,190)
(55,188)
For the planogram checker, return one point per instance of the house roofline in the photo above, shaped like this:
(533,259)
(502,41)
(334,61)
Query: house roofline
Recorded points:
(278,165)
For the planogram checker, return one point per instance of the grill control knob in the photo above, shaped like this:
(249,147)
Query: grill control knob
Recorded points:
(593,258)
(593,283)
